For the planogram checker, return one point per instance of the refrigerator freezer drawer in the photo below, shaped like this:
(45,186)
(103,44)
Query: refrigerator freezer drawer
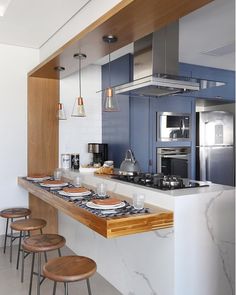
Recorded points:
(216,164)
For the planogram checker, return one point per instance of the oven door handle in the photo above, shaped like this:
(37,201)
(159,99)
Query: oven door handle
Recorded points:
(185,156)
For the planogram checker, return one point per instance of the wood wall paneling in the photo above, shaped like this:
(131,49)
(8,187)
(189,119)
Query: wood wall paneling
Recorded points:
(43,98)
(43,210)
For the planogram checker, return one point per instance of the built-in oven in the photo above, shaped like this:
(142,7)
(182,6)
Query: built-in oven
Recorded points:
(174,161)
(173,126)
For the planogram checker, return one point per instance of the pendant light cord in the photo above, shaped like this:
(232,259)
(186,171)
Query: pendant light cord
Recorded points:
(109,63)
(79,76)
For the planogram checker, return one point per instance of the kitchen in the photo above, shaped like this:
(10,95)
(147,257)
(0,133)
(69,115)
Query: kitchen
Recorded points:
(87,129)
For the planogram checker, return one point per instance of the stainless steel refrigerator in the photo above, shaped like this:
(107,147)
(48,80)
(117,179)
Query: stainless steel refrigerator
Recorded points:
(215,147)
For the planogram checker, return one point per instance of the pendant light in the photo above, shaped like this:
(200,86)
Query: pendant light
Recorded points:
(110,99)
(61,112)
(78,109)
(61,115)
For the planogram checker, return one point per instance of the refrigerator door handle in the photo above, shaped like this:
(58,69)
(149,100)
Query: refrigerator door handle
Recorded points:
(206,168)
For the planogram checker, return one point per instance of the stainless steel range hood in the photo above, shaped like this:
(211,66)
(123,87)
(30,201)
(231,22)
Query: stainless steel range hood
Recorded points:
(155,72)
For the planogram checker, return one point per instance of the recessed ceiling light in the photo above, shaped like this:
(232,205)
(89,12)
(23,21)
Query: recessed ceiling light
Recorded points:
(3,6)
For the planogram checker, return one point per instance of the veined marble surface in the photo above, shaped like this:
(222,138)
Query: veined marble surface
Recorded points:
(205,244)
(196,257)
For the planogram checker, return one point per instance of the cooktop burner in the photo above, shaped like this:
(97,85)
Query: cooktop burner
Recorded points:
(159,181)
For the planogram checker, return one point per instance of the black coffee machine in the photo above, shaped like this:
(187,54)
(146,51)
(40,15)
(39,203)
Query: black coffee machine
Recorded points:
(100,152)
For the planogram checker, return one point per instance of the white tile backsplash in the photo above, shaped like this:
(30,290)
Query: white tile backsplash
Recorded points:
(76,133)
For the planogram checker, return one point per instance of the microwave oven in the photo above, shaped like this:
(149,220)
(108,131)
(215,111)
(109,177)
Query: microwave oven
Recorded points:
(173,126)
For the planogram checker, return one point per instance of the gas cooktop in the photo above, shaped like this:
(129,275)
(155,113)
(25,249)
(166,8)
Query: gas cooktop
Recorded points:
(159,181)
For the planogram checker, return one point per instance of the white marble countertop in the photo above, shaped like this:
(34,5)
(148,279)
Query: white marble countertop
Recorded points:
(165,199)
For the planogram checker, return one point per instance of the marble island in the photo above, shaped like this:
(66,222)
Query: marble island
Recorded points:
(195,256)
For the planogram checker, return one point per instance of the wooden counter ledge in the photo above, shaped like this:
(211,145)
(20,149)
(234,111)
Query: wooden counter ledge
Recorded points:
(158,218)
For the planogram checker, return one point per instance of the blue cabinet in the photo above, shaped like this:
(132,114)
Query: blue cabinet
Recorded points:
(140,129)
(227,91)
(116,125)
(173,104)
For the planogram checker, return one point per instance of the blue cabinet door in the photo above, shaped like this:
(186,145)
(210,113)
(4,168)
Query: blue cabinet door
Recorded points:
(227,91)
(116,125)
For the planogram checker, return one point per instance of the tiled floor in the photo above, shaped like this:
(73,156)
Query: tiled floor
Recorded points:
(10,279)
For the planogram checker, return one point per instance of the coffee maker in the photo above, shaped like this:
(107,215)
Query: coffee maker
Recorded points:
(100,152)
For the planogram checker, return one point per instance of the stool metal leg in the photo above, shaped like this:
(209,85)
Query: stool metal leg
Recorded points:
(59,252)
(54,288)
(66,288)
(45,253)
(23,262)
(5,239)
(11,243)
(18,254)
(88,285)
(39,273)
(31,274)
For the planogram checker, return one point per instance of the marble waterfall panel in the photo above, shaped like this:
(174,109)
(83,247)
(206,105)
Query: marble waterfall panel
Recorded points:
(141,264)
(205,244)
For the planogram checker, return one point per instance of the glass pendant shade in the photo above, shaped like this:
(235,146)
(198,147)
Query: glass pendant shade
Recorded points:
(110,101)
(61,112)
(78,109)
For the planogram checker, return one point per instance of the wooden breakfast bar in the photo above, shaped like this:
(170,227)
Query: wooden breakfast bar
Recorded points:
(108,227)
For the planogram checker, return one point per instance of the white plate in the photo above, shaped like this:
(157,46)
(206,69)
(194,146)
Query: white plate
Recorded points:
(54,185)
(38,179)
(74,194)
(102,207)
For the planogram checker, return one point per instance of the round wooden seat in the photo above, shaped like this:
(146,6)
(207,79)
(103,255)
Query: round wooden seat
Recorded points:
(15,212)
(43,242)
(69,268)
(10,214)
(28,224)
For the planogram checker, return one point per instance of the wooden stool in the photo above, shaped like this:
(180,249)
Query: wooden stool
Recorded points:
(23,226)
(69,269)
(38,244)
(12,213)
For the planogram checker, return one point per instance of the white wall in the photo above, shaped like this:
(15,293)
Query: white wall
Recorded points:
(15,63)
(75,132)
(91,12)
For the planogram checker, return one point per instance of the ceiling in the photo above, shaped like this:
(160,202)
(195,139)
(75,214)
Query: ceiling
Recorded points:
(30,23)
(207,31)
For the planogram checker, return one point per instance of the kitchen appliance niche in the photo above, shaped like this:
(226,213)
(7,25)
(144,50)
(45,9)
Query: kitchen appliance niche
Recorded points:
(173,126)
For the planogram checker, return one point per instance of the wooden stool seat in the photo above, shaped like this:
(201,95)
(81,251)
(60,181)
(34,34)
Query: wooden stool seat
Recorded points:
(23,226)
(28,224)
(69,268)
(10,214)
(38,244)
(15,212)
(43,243)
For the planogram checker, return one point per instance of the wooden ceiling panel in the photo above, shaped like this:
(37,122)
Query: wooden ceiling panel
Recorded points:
(129,21)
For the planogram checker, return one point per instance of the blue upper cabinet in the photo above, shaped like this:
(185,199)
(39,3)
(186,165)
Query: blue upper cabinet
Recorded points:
(139,130)
(116,125)
(227,91)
